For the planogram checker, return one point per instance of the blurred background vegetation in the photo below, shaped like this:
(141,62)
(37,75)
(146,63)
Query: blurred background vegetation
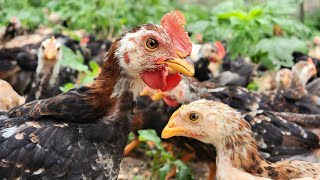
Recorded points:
(266,31)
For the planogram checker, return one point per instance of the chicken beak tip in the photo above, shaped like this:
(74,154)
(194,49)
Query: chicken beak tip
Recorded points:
(183,66)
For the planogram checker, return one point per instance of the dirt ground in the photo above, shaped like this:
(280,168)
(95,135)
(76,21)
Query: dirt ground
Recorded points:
(139,168)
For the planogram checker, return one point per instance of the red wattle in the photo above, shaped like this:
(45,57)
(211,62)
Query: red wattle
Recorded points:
(172,81)
(160,79)
(170,102)
(155,79)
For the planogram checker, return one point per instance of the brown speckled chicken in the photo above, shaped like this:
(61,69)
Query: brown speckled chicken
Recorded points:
(283,79)
(256,109)
(218,124)
(315,52)
(46,82)
(8,97)
(81,134)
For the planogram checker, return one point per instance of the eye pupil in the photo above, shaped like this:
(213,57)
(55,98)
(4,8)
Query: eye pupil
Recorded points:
(151,44)
(193,117)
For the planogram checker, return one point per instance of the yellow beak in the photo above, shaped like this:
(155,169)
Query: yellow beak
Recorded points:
(183,66)
(144,92)
(171,128)
(169,132)
(157,96)
(49,55)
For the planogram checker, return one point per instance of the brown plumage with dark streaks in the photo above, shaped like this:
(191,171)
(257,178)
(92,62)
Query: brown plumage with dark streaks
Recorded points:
(81,134)
(278,137)
(224,127)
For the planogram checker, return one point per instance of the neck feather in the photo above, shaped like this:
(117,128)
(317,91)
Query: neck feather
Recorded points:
(48,72)
(113,84)
(239,150)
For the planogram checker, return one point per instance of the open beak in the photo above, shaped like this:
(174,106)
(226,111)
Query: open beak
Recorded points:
(183,66)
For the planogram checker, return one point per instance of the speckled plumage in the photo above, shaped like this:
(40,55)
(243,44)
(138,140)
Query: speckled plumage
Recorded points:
(278,137)
(225,128)
(81,134)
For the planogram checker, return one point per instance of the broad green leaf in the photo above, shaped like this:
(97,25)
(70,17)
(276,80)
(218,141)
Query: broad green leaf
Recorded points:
(72,60)
(183,171)
(66,87)
(163,171)
(150,135)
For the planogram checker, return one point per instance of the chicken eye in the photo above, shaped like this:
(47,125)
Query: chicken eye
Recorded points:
(193,116)
(58,49)
(151,44)
(42,47)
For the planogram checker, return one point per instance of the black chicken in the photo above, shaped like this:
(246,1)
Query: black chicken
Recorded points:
(82,133)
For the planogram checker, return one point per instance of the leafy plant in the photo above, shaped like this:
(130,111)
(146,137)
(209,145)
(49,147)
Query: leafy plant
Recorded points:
(75,61)
(163,162)
(28,11)
(250,30)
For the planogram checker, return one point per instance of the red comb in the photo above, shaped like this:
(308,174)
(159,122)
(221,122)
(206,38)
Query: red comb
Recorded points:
(174,23)
(221,49)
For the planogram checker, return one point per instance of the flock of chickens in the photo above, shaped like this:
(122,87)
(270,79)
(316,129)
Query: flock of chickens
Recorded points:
(83,133)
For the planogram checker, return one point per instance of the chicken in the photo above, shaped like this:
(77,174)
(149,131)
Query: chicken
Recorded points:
(212,63)
(256,109)
(241,69)
(265,81)
(81,134)
(222,126)
(8,97)
(315,52)
(17,66)
(298,56)
(204,55)
(283,79)
(314,87)
(45,84)
(13,29)
(93,49)
(302,72)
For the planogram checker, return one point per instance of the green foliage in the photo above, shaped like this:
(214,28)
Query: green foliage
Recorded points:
(75,61)
(249,30)
(312,20)
(253,86)
(28,11)
(278,51)
(163,161)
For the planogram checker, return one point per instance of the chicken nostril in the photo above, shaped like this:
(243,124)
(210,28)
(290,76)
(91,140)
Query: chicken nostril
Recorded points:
(180,55)
(171,125)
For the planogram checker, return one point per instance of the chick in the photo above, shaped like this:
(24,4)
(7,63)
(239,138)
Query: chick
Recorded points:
(46,82)
(222,126)
(283,78)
